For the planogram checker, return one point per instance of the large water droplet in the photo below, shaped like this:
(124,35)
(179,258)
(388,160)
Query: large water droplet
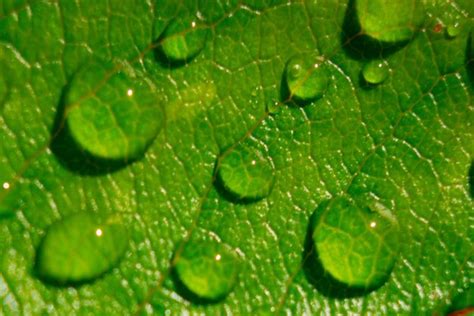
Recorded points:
(390,21)
(356,246)
(246,174)
(113,115)
(80,248)
(375,72)
(208,269)
(306,77)
(182,40)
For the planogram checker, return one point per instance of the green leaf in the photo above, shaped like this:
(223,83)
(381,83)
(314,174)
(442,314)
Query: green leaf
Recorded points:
(405,143)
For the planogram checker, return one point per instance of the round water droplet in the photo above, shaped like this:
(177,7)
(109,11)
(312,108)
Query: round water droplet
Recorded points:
(246,174)
(273,107)
(306,77)
(112,115)
(390,21)
(208,269)
(182,40)
(453,30)
(375,72)
(80,248)
(356,246)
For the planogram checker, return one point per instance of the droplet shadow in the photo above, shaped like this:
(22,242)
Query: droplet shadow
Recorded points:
(69,153)
(362,47)
(315,273)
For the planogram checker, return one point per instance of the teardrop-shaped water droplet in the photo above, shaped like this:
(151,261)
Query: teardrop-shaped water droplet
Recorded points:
(182,40)
(356,246)
(453,30)
(390,21)
(113,114)
(246,174)
(375,72)
(208,269)
(80,248)
(306,77)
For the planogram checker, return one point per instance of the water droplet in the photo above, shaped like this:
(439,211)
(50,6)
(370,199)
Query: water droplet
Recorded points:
(356,246)
(246,174)
(453,30)
(182,40)
(306,77)
(113,115)
(208,269)
(6,185)
(390,21)
(273,107)
(375,72)
(80,248)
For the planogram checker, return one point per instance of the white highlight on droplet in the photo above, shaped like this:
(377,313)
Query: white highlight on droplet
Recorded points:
(129,92)
(6,185)
(373,224)
(253,162)
(218,257)
(193,24)
(98,232)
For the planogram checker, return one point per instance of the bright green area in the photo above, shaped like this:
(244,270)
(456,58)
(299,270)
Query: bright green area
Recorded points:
(246,173)
(306,77)
(375,72)
(357,246)
(113,114)
(80,248)
(390,21)
(183,39)
(406,143)
(208,269)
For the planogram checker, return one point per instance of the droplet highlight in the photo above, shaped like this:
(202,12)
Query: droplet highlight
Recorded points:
(80,248)
(182,40)
(375,72)
(113,114)
(246,174)
(208,269)
(306,77)
(390,21)
(356,246)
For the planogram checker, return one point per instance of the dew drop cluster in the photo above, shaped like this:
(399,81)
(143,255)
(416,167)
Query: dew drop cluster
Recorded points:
(113,112)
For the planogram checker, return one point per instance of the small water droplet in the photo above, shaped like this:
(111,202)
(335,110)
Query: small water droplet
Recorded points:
(6,185)
(273,107)
(115,119)
(390,21)
(356,246)
(453,30)
(208,269)
(182,40)
(375,72)
(76,250)
(246,174)
(306,77)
